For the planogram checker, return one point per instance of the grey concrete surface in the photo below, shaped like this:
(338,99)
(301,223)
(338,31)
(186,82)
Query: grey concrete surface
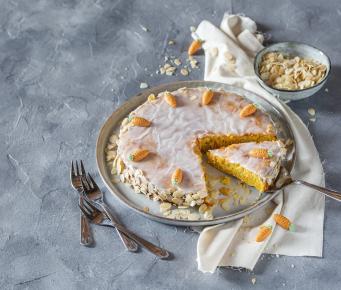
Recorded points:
(64,67)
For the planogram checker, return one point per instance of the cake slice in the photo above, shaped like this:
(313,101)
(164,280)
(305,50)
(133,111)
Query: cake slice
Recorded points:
(256,164)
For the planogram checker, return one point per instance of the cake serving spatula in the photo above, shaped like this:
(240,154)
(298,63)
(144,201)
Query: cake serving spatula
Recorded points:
(284,179)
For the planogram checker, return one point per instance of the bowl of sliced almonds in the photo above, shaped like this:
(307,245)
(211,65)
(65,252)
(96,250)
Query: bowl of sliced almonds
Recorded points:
(291,70)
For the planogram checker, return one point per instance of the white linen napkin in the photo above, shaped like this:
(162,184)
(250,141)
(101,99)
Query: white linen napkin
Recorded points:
(233,244)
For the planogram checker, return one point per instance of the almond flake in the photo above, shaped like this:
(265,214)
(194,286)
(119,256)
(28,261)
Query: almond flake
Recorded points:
(151,98)
(170,70)
(165,206)
(193,216)
(253,280)
(311,111)
(143,85)
(193,62)
(110,155)
(184,72)
(145,29)
(113,139)
(177,61)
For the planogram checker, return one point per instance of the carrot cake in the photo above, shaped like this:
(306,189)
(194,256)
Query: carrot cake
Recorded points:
(161,143)
(257,164)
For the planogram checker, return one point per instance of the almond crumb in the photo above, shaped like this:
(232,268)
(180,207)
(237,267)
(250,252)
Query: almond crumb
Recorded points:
(177,61)
(192,29)
(311,111)
(253,280)
(143,86)
(145,29)
(184,72)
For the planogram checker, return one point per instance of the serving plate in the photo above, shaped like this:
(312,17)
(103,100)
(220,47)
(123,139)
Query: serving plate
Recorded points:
(252,200)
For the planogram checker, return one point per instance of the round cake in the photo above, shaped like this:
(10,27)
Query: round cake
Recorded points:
(161,143)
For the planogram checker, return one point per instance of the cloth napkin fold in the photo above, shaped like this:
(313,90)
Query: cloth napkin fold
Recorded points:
(229,53)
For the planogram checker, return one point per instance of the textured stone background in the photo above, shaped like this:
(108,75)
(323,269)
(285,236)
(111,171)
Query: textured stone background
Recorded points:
(62,72)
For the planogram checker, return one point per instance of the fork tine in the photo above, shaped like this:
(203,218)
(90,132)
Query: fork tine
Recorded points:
(85,184)
(92,181)
(77,169)
(89,182)
(89,204)
(82,168)
(72,170)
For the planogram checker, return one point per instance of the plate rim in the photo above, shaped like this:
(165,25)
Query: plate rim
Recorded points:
(218,220)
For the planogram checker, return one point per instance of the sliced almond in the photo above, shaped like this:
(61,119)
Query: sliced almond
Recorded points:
(151,98)
(165,206)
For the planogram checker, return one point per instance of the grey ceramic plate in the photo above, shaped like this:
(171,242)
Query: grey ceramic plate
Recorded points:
(137,202)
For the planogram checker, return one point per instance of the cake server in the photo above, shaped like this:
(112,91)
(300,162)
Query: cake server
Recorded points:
(284,179)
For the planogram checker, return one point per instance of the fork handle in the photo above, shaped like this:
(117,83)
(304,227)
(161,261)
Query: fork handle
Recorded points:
(161,253)
(328,192)
(157,251)
(86,238)
(128,243)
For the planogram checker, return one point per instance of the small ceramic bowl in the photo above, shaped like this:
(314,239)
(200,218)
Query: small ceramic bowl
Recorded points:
(296,49)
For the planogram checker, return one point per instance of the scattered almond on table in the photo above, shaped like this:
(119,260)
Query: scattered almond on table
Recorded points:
(144,85)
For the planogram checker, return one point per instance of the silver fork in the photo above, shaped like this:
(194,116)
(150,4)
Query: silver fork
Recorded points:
(76,174)
(95,215)
(93,192)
